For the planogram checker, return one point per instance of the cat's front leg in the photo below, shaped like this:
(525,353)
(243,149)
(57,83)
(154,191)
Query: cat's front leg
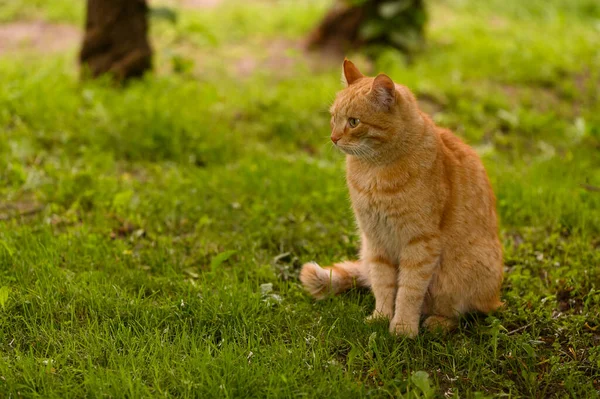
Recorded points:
(383,276)
(418,262)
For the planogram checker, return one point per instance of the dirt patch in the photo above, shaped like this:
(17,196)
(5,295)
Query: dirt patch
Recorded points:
(201,3)
(277,58)
(280,57)
(498,23)
(19,209)
(37,36)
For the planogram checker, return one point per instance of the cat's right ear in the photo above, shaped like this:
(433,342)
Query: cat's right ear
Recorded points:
(384,91)
(350,73)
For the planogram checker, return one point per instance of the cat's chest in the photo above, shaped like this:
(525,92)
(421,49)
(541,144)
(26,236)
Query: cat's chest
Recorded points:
(377,211)
(384,203)
(382,217)
(382,199)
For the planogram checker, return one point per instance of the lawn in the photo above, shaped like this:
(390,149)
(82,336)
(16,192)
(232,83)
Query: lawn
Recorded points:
(151,236)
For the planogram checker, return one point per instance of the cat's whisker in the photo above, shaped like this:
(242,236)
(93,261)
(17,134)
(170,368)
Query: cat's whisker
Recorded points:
(333,146)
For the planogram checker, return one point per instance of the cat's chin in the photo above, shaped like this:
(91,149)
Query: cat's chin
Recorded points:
(344,150)
(356,152)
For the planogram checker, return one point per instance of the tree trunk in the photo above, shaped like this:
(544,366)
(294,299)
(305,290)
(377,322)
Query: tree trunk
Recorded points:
(116,39)
(352,24)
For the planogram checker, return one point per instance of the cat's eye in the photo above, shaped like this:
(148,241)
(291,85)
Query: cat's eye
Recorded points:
(353,122)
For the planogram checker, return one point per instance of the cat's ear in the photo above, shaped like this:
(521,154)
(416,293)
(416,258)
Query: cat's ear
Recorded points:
(350,73)
(384,91)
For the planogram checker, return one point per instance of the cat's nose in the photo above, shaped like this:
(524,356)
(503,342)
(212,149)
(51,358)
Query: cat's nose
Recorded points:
(335,138)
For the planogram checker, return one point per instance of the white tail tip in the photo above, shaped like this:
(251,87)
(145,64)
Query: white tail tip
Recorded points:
(316,280)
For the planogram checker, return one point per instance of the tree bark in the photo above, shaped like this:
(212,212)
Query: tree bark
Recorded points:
(116,39)
(349,25)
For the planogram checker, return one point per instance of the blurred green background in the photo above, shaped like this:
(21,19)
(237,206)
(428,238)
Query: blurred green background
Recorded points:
(151,234)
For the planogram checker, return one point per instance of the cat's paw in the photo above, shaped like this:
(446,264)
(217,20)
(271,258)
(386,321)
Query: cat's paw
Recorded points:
(442,324)
(377,316)
(404,328)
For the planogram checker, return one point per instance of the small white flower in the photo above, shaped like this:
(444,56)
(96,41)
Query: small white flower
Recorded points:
(266,288)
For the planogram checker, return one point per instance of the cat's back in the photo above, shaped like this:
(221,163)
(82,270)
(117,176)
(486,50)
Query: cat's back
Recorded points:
(456,152)
(471,268)
(471,194)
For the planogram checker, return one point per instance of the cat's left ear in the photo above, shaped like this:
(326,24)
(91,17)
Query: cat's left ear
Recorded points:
(350,73)
(384,91)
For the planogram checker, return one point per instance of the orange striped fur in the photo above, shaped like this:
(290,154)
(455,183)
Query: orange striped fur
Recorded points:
(424,207)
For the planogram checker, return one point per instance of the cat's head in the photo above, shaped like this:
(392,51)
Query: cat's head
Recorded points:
(371,117)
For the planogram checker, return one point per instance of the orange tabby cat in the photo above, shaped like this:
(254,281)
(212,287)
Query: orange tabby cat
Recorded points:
(424,207)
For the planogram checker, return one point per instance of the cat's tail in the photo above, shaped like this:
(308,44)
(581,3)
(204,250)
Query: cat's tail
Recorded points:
(322,282)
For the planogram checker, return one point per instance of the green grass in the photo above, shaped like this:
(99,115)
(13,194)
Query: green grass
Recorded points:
(56,10)
(151,236)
